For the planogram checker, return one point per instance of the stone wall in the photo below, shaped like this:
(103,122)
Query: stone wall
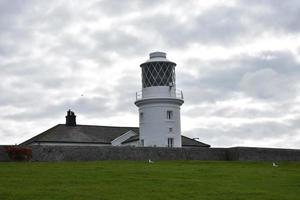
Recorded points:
(92,153)
(80,153)
(3,154)
(262,154)
(74,153)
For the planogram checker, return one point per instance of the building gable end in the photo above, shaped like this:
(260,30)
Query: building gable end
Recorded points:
(118,141)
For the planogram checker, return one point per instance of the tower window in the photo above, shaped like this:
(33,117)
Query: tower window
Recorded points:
(141,116)
(170,142)
(170,130)
(142,142)
(169,114)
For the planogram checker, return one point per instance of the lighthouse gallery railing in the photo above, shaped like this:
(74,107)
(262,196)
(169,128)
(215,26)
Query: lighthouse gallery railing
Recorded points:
(178,94)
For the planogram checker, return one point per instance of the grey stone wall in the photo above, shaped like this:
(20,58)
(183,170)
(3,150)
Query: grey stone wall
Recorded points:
(91,153)
(262,154)
(81,153)
(3,154)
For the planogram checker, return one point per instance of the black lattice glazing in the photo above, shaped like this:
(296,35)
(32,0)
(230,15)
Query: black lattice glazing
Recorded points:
(158,74)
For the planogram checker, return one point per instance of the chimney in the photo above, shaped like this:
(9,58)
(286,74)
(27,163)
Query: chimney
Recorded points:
(70,118)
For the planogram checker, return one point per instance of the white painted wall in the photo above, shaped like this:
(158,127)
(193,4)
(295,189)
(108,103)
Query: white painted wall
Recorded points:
(67,144)
(118,141)
(158,92)
(154,127)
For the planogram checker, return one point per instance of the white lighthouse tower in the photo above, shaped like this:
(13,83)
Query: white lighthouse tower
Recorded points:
(159,103)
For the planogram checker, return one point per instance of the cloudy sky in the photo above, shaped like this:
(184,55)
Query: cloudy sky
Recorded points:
(238,64)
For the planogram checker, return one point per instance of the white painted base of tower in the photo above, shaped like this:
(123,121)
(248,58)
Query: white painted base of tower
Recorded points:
(158,127)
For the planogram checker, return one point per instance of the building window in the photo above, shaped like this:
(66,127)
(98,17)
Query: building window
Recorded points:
(141,116)
(170,142)
(169,114)
(142,143)
(170,130)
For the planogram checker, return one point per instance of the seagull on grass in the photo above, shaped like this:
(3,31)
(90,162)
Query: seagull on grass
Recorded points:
(150,161)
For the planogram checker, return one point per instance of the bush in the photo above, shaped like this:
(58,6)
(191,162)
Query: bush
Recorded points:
(16,153)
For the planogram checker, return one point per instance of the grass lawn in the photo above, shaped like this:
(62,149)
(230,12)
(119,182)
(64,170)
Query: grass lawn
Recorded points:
(140,180)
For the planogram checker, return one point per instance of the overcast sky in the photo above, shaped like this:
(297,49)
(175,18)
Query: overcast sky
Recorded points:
(238,64)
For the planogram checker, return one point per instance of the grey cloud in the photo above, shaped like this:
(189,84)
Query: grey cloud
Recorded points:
(115,7)
(216,26)
(59,17)
(120,42)
(276,15)
(20,97)
(24,22)
(9,133)
(258,131)
(89,107)
(14,26)
(273,111)
(10,10)
(268,84)
(225,25)
(33,74)
(125,90)
(100,46)
(269,75)
(219,25)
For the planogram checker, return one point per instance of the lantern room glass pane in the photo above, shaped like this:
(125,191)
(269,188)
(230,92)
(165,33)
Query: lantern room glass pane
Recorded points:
(158,74)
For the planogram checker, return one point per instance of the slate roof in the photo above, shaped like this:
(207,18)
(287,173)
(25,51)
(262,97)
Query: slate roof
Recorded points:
(81,133)
(188,142)
(93,134)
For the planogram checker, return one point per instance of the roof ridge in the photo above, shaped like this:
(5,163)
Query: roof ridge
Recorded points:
(103,126)
(39,135)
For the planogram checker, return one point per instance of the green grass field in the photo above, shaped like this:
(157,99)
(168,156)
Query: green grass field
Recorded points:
(141,180)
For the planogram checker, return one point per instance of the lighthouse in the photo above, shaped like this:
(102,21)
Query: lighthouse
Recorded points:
(159,103)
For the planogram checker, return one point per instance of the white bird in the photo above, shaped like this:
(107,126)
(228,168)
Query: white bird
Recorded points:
(275,165)
(150,161)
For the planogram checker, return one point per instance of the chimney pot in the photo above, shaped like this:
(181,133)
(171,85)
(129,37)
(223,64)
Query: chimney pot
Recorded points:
(70,118)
